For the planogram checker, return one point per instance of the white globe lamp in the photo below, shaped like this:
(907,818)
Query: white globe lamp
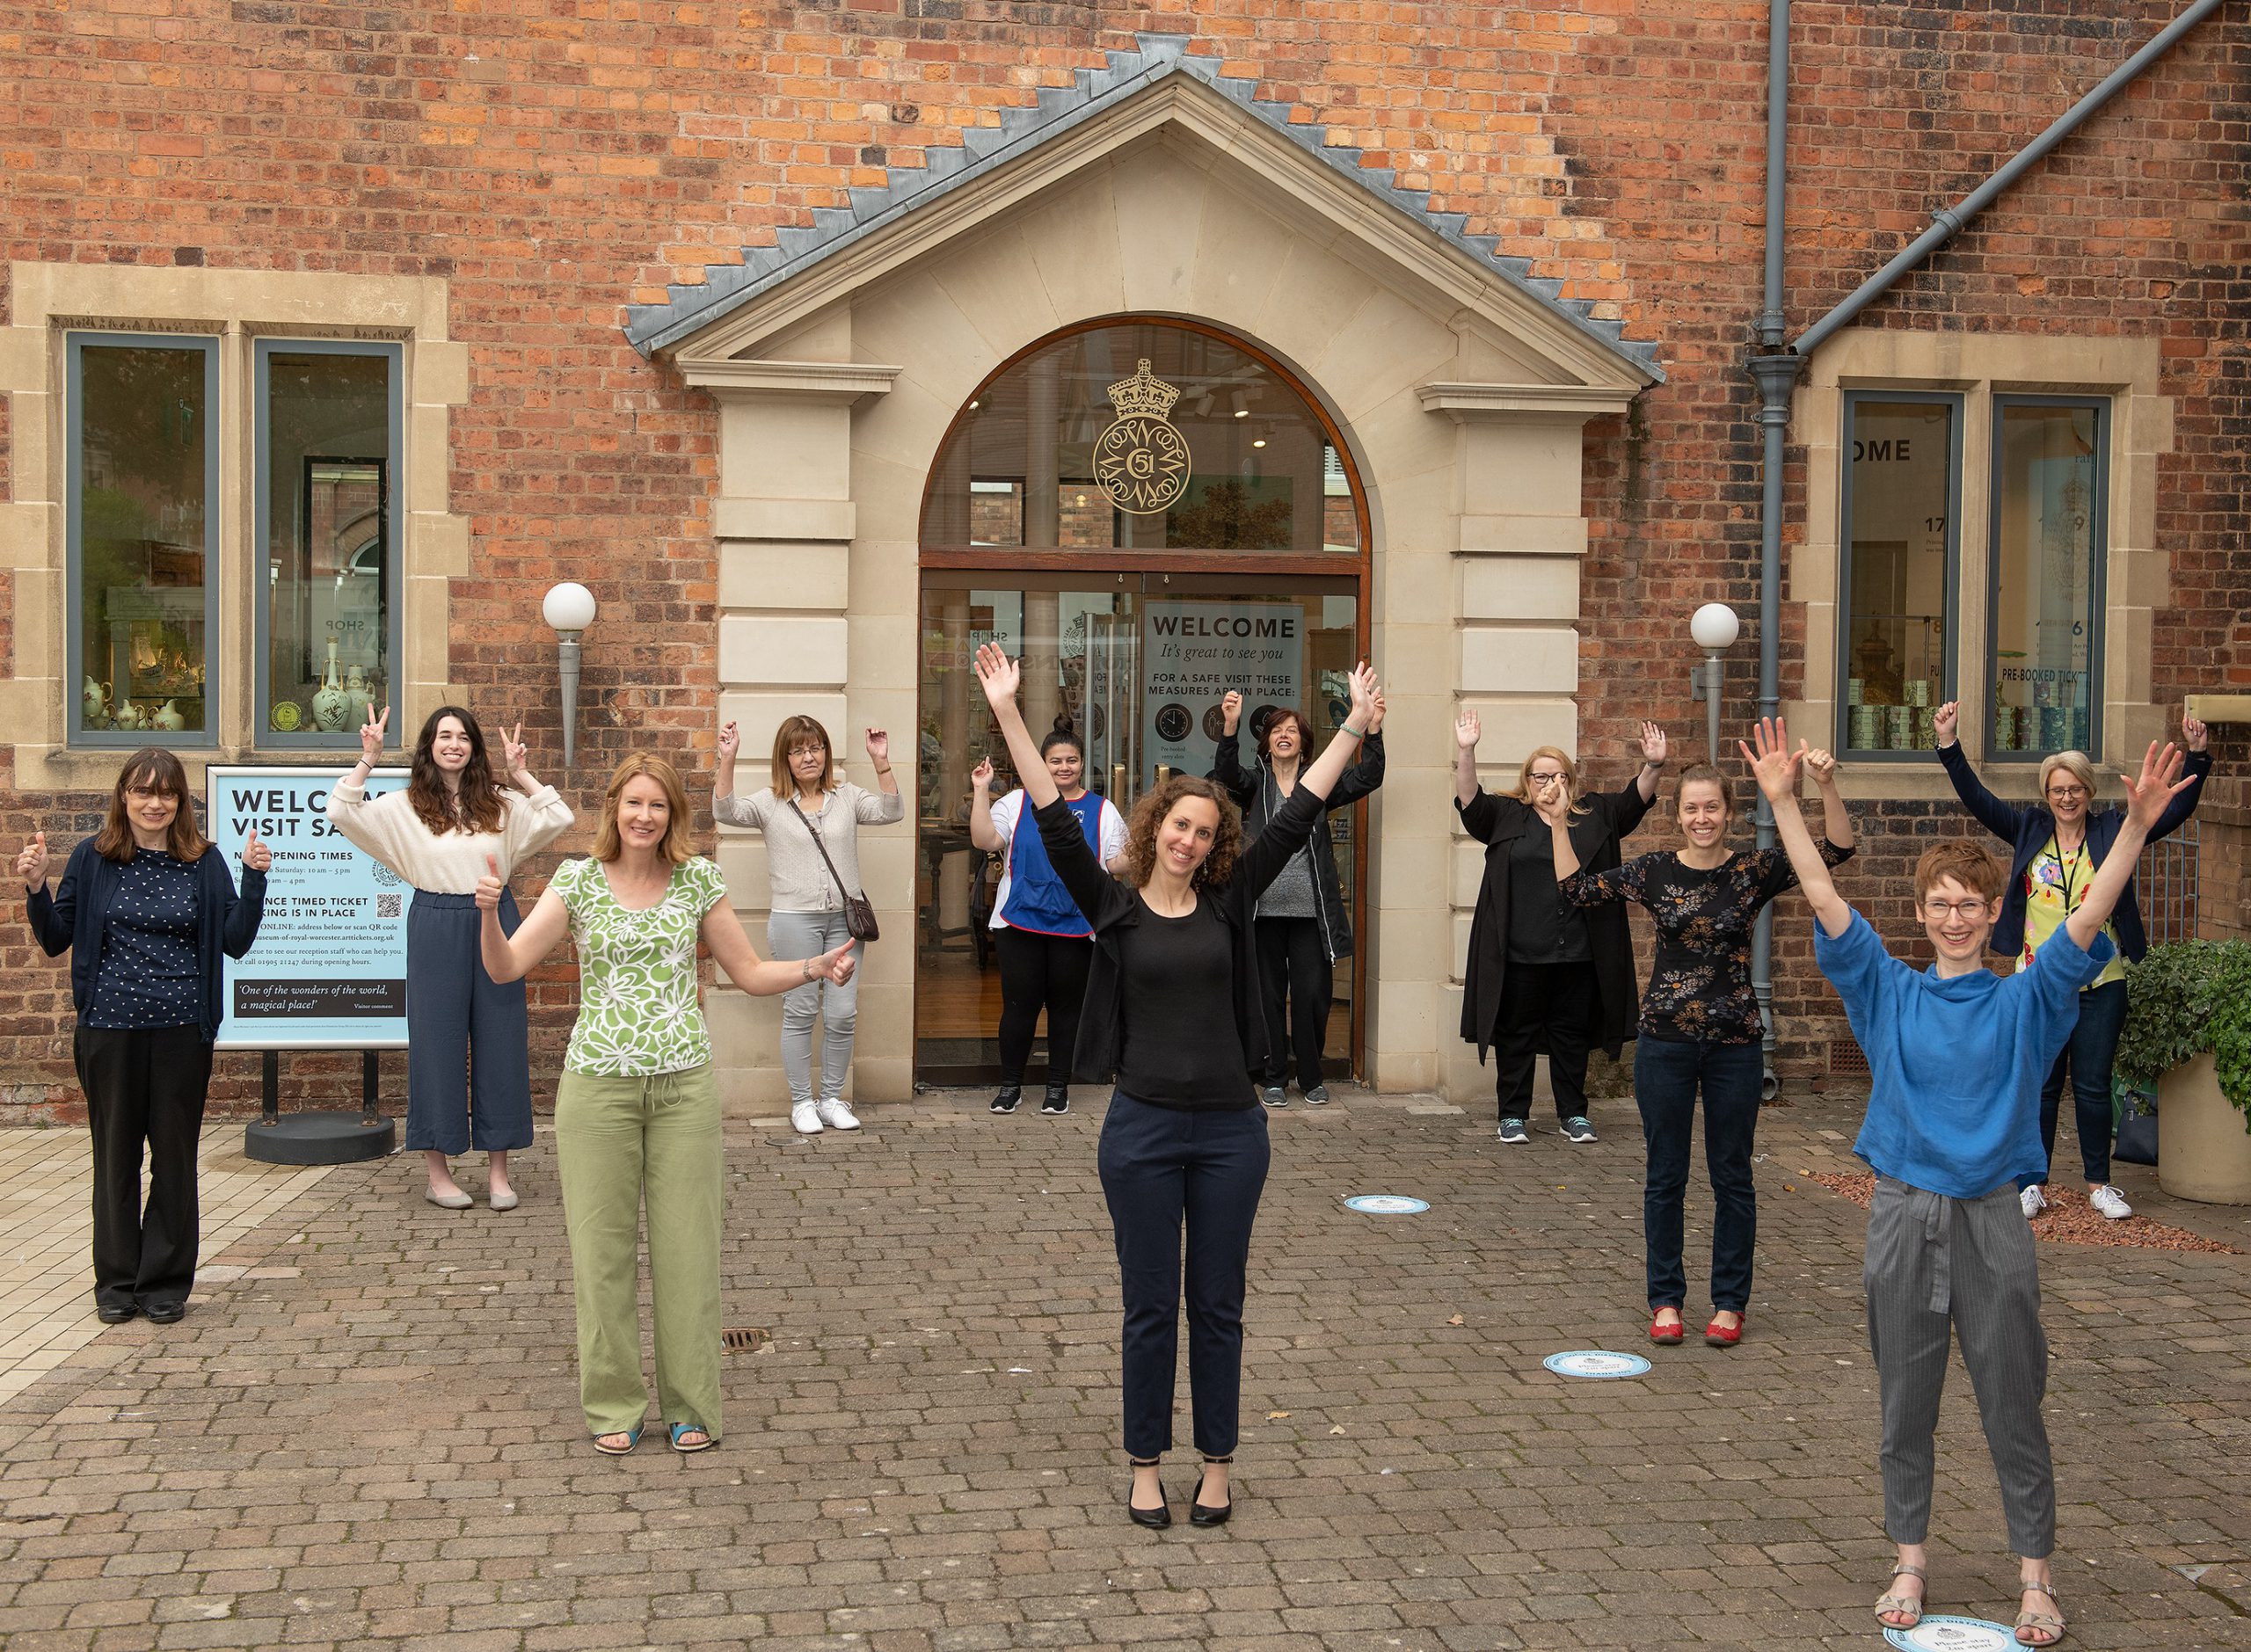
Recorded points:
(568,609)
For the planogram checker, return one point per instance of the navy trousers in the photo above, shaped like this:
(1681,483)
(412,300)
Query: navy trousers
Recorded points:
(1667,1074)
(468,1057)
(1160,1165)
(2087,1057)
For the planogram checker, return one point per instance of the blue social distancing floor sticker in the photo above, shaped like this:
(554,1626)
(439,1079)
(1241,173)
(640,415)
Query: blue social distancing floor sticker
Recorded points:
(1939,1632)
(1595,1362)
(1386,1204)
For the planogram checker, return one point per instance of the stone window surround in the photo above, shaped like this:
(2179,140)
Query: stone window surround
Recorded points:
(1977,367)
(50,300)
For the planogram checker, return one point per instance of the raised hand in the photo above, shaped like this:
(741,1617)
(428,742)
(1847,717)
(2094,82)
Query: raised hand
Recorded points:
(2158,784)
(1944,721)
(256,856)
(1655,746)
(371,736)
(31,865)
(836,965)
(490,885)
(1000,675)
(1823,766)
(513,749)
(981,776)
(1465,730)
(1230,711)
(1362,686)
(1774,764)
(2194,734)
(878,745)
(729,742)
(1376,722)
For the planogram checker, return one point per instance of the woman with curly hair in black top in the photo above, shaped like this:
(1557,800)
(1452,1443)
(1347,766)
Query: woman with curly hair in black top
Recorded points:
(1173,1012)
(1700,1027)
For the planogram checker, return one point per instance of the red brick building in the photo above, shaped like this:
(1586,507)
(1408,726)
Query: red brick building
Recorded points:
(335,335)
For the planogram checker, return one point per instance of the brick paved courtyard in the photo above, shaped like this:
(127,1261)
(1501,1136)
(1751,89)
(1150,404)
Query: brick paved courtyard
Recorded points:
(367,1437)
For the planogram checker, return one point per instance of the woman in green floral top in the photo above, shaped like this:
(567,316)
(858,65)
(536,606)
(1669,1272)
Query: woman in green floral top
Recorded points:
(637,1112)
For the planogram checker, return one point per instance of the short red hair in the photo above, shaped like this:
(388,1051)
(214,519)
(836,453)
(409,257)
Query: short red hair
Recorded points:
(1967,864)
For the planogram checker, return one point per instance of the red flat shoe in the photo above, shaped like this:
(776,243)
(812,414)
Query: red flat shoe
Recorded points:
(1670,1335)
(1719,1335)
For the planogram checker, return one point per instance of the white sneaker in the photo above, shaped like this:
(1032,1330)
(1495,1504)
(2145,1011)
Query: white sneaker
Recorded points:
(804,1118)
(2111,1202)
(836,1115)
(2033,1200)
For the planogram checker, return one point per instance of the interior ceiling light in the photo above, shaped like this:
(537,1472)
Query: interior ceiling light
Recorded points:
(1241,400)
(1259,442)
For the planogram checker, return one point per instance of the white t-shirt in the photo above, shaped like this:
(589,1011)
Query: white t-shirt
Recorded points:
(1007,811)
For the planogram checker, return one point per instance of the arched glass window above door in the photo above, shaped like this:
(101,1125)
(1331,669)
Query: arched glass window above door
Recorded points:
(1139,436)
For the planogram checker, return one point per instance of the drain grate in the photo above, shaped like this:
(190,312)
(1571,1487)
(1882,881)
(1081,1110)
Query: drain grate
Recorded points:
(745,1339)
(1846,1059)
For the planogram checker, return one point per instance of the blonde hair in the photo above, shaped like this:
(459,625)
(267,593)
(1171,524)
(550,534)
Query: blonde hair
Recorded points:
(1522,793)
(2073,763)
(674,847)
(801,730)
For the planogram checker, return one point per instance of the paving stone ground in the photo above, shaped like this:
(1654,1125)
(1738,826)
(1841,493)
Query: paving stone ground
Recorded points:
(368,1437)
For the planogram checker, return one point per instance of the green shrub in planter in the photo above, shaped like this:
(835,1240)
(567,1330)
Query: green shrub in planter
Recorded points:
(2185,997)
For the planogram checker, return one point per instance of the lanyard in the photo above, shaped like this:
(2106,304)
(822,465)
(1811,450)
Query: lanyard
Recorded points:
(2068,862)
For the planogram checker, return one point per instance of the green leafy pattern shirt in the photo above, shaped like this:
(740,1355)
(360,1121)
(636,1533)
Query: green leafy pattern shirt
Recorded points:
(641,1011)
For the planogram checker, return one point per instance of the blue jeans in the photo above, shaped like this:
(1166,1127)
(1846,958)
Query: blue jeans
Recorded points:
(2088,1056)
(1159,1166)
(1667,1072)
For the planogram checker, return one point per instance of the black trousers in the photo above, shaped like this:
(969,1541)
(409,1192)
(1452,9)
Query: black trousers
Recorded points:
(144,1087)
(1297,982)
(1544,1004)
(1159,1167)
(1040,972)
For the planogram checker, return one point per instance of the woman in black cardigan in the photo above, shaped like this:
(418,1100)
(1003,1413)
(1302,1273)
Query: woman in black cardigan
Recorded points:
(146,909)
(1173,1010)
(1541,974)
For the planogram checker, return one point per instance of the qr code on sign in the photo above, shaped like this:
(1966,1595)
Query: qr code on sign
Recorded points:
(386,906)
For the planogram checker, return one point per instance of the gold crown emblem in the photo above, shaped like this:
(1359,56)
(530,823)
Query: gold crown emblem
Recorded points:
(1143,394)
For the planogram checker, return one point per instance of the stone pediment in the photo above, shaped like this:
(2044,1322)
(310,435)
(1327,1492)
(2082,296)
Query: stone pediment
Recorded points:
(1158,94)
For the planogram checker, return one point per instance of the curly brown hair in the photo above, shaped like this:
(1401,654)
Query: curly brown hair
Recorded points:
(1152,812)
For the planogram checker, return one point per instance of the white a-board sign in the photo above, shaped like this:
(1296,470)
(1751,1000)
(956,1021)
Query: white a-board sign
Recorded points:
(329,968)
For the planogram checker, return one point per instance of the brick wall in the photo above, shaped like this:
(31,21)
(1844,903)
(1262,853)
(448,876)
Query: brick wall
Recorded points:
(554,167)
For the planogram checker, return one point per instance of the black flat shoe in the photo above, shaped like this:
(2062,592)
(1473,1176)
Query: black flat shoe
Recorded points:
(1007,1100)
(1058,1099)
(1157,1518)
(1200,1515)
(115,1312)
(166,1312)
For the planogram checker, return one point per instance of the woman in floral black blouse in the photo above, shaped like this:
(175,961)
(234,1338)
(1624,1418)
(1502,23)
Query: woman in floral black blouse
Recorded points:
(1700,1028)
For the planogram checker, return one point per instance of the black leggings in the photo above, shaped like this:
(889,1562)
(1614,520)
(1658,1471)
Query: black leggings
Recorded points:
(1040,972)
(1294,967)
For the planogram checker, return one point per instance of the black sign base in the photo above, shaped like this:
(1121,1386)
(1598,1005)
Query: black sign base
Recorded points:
(319,1138)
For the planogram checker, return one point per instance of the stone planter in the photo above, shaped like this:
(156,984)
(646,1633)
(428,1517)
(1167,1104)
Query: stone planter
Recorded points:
(2203,1152)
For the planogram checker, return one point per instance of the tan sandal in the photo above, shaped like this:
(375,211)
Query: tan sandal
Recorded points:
(1907,1606)
(2048,1625)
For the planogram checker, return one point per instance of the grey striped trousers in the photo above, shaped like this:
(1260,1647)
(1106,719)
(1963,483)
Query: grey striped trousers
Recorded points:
(1937,1265)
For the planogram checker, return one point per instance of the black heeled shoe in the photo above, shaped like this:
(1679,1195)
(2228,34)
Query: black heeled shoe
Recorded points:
(1200,1515)
(1157,1518)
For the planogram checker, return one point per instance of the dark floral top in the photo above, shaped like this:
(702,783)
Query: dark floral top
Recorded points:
(1699,986)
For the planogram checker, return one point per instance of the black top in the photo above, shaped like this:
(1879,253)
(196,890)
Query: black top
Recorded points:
(1261,797)
(1180,1047)
(1700,985)
(148,977)
(1542,929)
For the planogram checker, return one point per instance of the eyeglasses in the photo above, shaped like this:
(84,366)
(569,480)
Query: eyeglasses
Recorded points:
(143,793)
(808,751)
(1942,910)
(2064,794)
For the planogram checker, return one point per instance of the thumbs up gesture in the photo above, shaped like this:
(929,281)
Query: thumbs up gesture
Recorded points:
(490,885)
(31,865)
(838,963)
(256,856)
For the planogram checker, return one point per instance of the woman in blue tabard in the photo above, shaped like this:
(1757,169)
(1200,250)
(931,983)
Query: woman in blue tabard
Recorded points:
(1044,944)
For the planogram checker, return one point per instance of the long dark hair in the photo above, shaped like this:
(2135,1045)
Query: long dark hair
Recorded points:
(152,769)
(478,807)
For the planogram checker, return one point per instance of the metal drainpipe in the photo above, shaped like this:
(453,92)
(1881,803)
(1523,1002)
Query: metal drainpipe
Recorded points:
(1775,369)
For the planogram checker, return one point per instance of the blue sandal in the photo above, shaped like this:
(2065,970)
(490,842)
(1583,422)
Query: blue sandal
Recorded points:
(704,1445)
(632,1439)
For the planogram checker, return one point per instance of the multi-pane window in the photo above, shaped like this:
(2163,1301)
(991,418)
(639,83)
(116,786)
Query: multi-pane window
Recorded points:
(142,490)
(2047,549)
(327,445)
(1896,633)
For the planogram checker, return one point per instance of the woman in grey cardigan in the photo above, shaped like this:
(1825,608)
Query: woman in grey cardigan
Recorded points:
(811,807)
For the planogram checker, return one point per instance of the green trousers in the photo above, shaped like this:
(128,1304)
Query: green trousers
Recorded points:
(617,1139)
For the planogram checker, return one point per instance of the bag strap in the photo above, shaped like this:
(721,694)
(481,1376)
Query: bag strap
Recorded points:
(823,847)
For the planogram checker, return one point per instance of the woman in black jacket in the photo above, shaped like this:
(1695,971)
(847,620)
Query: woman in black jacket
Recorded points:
(1301,926)
(1172,1009)
(1542,974)
(146,908)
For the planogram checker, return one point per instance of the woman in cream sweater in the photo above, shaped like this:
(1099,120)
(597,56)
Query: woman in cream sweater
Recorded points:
(468,1065)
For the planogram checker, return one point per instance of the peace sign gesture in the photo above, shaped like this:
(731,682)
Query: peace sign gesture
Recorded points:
(371,736)
(31,865)
(511,753)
